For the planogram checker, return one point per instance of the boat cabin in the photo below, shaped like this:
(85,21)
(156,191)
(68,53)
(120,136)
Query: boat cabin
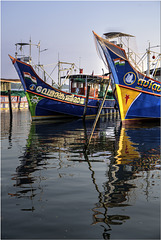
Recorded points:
(157,75)
(79,82)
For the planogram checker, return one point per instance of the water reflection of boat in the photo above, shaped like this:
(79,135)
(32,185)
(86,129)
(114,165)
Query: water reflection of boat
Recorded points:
(139,146)
(63,138)
(118,148)
(138,151)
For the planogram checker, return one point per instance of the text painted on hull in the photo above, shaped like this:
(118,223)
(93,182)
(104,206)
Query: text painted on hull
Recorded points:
(57,95)
(150,84)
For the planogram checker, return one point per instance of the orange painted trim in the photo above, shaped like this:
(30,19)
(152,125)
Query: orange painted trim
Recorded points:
(66,101)
(54,99)
(144,75)
(105,40)
(16,60)
(117,59)
(135,89)
(47,83)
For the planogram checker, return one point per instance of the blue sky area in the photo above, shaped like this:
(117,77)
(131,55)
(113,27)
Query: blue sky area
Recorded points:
(65,27)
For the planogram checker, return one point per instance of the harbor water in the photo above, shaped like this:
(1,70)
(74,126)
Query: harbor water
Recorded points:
(53,188)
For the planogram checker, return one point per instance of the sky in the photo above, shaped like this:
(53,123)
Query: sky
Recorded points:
(65,28)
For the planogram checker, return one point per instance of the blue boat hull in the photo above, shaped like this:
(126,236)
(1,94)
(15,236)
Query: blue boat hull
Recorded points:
(137,95)
(46,101)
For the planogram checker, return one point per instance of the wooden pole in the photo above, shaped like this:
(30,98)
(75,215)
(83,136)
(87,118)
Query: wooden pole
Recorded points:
(10,103)
(98,114)
(85,107)
(19,102)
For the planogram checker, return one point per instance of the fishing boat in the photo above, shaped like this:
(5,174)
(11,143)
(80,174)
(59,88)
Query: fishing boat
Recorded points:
(83,97)
(137,94)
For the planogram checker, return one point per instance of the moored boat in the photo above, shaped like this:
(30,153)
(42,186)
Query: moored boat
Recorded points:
(137,95)
(46,101)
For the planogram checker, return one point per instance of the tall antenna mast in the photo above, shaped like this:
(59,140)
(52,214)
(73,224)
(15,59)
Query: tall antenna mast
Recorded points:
(148,61)
(30,50)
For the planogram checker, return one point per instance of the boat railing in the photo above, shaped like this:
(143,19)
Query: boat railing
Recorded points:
(149,60)
(144,62)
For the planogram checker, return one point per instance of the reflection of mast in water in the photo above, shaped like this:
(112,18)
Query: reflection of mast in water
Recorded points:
(107,198)
(115,192)
(134,154)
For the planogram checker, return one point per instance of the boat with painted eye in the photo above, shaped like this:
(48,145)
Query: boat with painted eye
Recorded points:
(137,94)
(83,97)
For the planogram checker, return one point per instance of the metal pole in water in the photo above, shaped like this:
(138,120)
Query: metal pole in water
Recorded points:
(19,102)
(98,114)
(85,108)
(10,103)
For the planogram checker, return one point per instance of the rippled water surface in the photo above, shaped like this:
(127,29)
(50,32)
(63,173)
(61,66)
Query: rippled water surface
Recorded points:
(52,188)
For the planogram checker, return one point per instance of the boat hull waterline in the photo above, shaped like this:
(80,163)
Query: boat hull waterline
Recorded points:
(137,95)
(47,102)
